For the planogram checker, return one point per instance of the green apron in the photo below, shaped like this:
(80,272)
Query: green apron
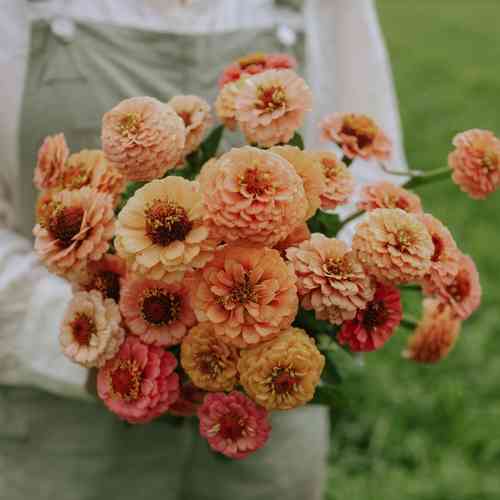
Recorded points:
(51,447)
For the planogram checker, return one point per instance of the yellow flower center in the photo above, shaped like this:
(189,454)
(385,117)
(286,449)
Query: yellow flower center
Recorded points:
(210,364)
(490,160)
(284,381)
(404,239)
(256,182)
(166,222)
(130,124)
(362,127)
(76,176)
(270,98)
(337,267)
(242,293)
(64,223)
(82,328)
(394,201)
(331,168)
(126,380)
(159,307)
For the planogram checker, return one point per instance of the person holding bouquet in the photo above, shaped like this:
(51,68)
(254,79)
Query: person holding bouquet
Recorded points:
(64,64)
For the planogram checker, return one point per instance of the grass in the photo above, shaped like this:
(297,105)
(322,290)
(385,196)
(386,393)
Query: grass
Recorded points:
(433,432)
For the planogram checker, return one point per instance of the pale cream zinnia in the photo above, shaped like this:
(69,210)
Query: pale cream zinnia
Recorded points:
(91,332)
(283,373)
(330,279)
(143,137)
(252,196)
(161,232)
(271,106)
(394,246)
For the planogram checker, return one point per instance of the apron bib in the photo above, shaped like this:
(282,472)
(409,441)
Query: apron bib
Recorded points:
(52,447)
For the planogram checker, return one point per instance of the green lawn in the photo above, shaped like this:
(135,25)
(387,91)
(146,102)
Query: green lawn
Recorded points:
(433,432)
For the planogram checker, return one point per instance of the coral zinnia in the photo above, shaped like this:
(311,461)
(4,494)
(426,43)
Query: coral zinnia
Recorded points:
(139,383)
(209,362)
(161,232)
(374,325)
(330,279)
(476,162)
(310,170)
(282,373)
(143,138)
(394,246)
(91,332)
(339,181)
(387,195)
(252,196)
(233,424)
(435,335)
(52,156)
(357,135)
(248,294)
(271,106)
(77,228)
(157,312)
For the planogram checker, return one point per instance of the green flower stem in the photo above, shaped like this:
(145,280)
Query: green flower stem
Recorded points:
(409,323)
(349,219)
(419,177)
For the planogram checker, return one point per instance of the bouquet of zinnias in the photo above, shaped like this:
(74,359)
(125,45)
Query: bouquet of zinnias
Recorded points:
(213,285)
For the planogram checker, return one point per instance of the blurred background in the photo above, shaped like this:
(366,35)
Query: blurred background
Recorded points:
(433,432)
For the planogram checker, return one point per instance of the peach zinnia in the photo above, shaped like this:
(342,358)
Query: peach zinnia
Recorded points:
(161,232)
(476,162)
(310,171)
(139,383)
(357,135)
(233,424)
(330,279)
(78,228)
(387,195)
(463,293)
(283,373)
(394,246)
(435,335)
(298,235)
(271,106)
(374,325)
(159,313)
(91,332)
(252,196)
(195,113)
(248,294)
(210,363)
(225,104)
(339,181)
(52,156)
(143,138)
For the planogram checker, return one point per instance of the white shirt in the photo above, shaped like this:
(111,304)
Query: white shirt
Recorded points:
(347,69)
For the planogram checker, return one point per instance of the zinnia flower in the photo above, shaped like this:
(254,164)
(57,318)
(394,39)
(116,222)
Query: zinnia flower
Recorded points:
(105,275)
(190,399)
(91,332)
(310,171)
(160,230)
(330,279)
(444,260)
(52,156)
(210,363)
(271,106)
(248,294)
(387,195)
(339,181)
(476,162)
(283,373)
(374,325)
(435,335)
(357,135)
(78,228)
(233,424)
(157,312)
(139,383)
(143,138)
(394,246)
(195,113)
(298,235)
(463,294)
(252,196)
(225,104)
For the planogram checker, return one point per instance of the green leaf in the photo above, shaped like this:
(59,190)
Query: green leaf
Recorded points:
(322,222)
(329,395)
(297,141)
(308,322)
(211,144)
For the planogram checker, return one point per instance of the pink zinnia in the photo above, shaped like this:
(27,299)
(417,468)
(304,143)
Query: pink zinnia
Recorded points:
(159,313)
(357,135)
(387,195)
(52,156)
(476,162)
(139,384)
(375,325)
(233,424)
